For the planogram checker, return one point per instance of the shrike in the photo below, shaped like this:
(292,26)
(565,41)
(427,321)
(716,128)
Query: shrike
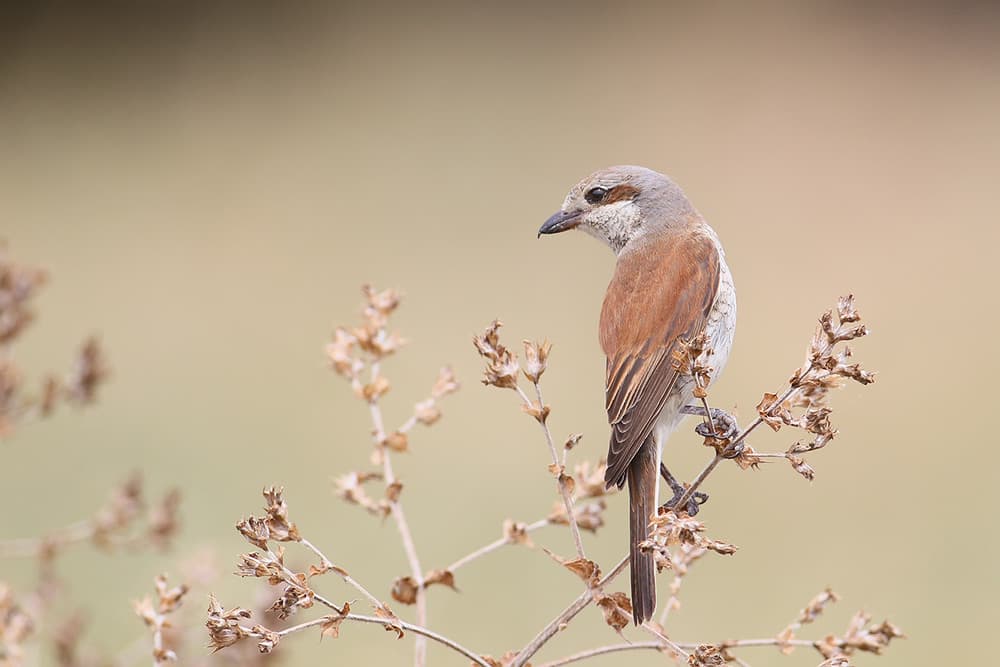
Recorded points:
(670,283)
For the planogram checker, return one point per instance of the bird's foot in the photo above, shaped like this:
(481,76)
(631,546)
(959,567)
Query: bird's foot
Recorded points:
(693,503)
(725,430)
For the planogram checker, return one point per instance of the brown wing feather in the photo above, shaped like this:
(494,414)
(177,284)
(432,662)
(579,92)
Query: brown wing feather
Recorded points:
(662,291)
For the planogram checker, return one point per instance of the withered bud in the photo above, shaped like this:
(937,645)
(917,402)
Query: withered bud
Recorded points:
(440,577)
(445,384)
(164,520)
(589,516)
(536,356)
(125,505)
(281,529)
(297,595)
(537,410)
(800,466)
(268,638)
(707,655)
(404,590)
(89,372)
(590,479)
(516,532)
(349,487)
(427,412)
(397,441)
(374,390)
(501,365)
(836,661)
(340,353)
(224,627)
(18,284)
(383,303)
(690,357)
(169,599)
(816,606)
(255,531)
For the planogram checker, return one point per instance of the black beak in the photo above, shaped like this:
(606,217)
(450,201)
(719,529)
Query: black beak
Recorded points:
(560,222)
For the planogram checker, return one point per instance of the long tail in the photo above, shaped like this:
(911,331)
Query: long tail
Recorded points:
(642,481)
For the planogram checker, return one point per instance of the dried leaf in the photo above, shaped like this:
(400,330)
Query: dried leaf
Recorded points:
(331,623)
(617,610)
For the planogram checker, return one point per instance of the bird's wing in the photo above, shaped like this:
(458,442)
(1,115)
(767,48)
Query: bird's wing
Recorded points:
(662,292)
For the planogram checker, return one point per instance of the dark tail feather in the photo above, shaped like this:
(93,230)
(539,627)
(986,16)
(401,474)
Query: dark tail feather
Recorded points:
(642,480)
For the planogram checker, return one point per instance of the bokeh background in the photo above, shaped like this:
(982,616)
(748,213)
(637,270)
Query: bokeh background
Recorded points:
(209,185)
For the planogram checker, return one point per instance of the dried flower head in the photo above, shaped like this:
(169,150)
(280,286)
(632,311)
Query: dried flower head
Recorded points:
(501,364)
(536,357)
(18,286)
(89,372)
(154,615)
(224,627)
(707,655)
(669,528)
(16,626)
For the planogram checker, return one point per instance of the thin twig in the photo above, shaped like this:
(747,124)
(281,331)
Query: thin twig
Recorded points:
(737,440)
(396,508)
(32,547)
(602,650)
(361,618)
(563,489)
(665,641)
(661,646)
(566,616)
(493,546)
(327,565)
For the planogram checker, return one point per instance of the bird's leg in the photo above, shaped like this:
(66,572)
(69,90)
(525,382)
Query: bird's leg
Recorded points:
(697,498)
(726,427)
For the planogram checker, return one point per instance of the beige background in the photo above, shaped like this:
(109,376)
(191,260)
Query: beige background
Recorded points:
(209,187)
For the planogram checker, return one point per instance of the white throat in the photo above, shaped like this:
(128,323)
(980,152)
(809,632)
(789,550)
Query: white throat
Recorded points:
(615,224)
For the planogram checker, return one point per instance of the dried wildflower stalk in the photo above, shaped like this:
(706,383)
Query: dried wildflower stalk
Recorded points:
(125,521)
(19,285)
(676,539)
(155,616)
(502,368)
(803,404)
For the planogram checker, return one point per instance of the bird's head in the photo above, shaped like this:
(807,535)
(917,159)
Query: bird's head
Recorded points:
(620,204)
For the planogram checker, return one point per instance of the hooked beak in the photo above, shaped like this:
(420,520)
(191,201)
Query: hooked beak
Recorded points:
(560,222)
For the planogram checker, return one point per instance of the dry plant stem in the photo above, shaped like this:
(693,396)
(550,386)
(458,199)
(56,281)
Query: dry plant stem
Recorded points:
(32,547)
(158,641)
(602,650)
(709,419)
(665,642)
(361,618)
(682,502)
(396,508)
(660,646)
(671,602)
(737,440)
(563,490)
(493,546)
(348,579)
(566,616)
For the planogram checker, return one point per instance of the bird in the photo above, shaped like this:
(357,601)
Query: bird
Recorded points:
(670,284)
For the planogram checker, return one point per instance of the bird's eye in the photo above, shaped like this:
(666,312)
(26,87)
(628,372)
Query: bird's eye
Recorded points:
(595,195)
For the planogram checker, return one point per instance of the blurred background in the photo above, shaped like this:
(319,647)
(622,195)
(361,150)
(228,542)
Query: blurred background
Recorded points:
(209,185)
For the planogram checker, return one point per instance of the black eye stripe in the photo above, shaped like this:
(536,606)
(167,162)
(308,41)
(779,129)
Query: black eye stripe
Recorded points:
(595,195)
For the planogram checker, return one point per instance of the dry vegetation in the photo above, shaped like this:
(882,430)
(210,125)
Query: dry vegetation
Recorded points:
(302,601)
